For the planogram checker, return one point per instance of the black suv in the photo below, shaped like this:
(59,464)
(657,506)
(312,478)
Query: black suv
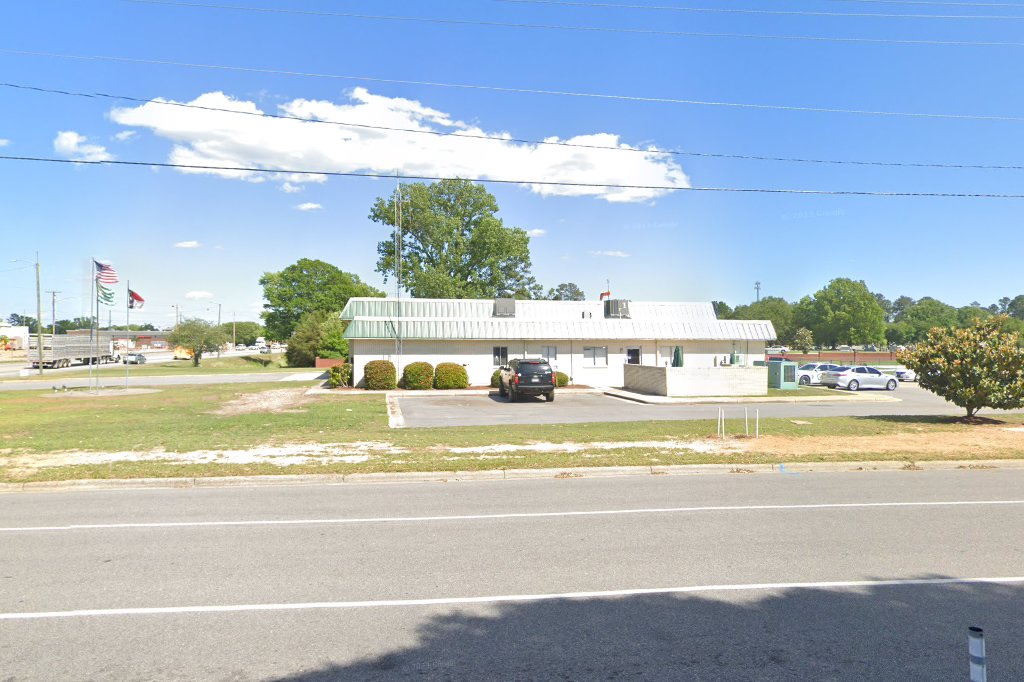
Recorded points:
(527,377)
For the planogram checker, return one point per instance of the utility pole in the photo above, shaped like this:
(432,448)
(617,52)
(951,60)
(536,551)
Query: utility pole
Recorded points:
(53,311)
(39,316)
(757,288)
(234,342)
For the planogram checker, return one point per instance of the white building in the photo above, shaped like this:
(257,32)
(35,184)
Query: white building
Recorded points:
(590,341)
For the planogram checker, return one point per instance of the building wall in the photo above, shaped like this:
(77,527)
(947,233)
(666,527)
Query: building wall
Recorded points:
(603,367)
(697,381)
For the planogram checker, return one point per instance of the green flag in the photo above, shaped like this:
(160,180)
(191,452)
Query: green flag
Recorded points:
(104,295)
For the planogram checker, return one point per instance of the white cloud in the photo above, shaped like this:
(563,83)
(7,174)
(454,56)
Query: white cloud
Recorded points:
(536,233)
(309,206)
(204,137)
(3,142)
(198,295)
(71,144)
(289,188)
(192,244)
(610,254)
(125,135)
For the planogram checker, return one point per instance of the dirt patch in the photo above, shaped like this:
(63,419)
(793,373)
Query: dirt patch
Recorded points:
(277,400)
(701,446)
(969,444)
(102,393)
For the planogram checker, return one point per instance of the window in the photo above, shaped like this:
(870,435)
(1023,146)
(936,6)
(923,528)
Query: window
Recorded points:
(500,356)
(632,356)
(549,353)
(595,356)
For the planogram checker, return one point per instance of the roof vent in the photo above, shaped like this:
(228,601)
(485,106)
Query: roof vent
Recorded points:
(504,307)
(616,308)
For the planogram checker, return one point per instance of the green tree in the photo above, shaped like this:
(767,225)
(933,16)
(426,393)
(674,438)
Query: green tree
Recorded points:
(898,306)
(318,334)
(974,367)
(566,292)
(1015,308)
(845,311)
(722,310)
(925,314)
(244,333)
(306,286)
(199,336)
(803,339)
(967,315)
(886,306)
(17,320)
(78,323)
(453,243)
(773,308)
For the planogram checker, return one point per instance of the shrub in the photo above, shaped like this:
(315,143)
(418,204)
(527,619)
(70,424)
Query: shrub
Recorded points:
(496,378)
(561,379)
(450,375)
(980,366)
(418,376)
(339,375)
(380,375)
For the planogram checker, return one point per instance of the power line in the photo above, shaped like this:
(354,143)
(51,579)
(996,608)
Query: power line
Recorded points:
(937,3)
(714,10)
(522,91)
(471,22)
(544,183)
(472,136)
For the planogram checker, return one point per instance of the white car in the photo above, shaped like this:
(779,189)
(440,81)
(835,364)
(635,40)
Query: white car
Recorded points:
(810,373)
(856,378)
(776,350)
(906,374)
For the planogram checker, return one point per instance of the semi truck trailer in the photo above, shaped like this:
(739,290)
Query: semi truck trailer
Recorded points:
(64,350)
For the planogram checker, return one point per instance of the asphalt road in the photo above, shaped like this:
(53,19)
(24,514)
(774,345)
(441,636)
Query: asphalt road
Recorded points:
(433,411)
(718,577)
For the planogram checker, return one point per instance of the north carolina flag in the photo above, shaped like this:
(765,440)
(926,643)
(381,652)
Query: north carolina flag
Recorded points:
(134,300)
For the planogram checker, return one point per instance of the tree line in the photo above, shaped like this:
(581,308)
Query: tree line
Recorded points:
(846,311)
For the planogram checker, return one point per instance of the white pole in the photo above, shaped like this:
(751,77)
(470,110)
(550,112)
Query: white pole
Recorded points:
(723,423)
(976,651)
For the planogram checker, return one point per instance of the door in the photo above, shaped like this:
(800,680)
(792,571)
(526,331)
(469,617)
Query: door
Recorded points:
(632,356)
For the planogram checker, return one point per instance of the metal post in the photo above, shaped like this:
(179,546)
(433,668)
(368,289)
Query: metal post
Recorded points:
(53,311)
(39,316)
(976,654)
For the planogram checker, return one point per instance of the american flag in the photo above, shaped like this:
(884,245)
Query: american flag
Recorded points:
(105,273)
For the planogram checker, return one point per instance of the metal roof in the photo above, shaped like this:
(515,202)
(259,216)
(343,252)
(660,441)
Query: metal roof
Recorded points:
(468,319)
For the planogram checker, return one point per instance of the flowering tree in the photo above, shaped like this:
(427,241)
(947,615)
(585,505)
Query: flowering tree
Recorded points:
(974,367)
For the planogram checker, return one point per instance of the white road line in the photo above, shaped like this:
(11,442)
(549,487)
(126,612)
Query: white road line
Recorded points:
(497,599)
(518,515)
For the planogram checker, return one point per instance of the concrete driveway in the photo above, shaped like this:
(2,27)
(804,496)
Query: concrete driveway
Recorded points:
(475,410)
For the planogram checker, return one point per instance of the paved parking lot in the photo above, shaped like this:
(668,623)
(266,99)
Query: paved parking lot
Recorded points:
(569,407)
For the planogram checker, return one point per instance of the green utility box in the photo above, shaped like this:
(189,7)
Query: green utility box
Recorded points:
(782,375)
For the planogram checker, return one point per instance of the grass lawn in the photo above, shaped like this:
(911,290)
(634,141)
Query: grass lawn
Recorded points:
(163,426)
(209,365)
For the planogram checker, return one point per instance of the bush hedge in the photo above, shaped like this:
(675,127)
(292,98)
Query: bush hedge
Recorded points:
(339,375)
(496,378)
(418,376)
(450,375)
(380,375)
(561,379)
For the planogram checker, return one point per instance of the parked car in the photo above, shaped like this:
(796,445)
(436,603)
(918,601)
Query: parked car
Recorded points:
(856,378)
(845,349)
(134,359)
(906,374)
(240,346)
(527,377)
(776,349)
(811,372)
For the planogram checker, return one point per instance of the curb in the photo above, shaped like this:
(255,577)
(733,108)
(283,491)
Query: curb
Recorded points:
(663,400)
(507,475)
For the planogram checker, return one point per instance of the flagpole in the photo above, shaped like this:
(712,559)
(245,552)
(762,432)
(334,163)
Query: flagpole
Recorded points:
(127,330)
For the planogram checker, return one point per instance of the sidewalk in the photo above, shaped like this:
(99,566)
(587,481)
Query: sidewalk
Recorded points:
(877,397)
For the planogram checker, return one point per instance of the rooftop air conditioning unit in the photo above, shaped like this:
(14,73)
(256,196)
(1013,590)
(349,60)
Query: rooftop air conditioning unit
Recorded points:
(504,307)
(616,308)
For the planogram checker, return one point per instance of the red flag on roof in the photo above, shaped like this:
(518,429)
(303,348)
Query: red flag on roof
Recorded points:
(604,295)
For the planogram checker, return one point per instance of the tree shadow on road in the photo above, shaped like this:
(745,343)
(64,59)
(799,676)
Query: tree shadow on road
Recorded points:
(933,419)
(903,632)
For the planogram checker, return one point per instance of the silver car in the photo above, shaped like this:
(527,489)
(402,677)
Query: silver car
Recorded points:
(856,378)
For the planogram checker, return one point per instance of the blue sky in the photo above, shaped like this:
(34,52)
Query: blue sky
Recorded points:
(654,246)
